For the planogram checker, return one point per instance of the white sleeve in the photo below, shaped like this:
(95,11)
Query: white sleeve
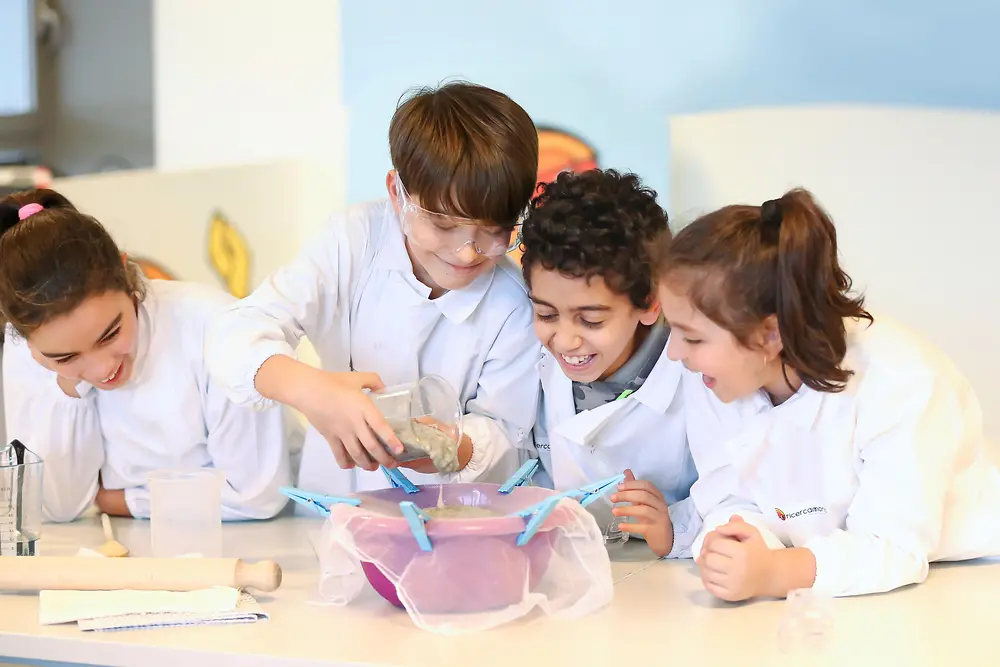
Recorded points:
(500,417)
(912,433)
(65,432)
(248,447)
(722,513)
(687,524)
(302,298)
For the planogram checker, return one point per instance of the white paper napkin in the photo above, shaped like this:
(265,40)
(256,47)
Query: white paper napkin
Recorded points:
(56,607)
(246,611)
(126,609)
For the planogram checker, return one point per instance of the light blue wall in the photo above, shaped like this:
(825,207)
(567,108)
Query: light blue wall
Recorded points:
(614,75)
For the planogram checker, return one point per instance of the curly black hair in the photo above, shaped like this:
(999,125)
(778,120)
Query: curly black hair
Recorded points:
(596,223)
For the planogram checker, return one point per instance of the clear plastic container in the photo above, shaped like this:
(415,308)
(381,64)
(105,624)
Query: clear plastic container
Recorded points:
(185,512)
(807,623)
(614,536)
(425,415)
(21,472)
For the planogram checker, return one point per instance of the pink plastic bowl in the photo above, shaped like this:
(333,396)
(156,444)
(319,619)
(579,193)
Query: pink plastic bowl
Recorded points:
(475,564)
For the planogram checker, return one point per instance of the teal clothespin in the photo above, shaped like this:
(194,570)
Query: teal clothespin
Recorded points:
(591,492)
(537,514)
(399,481)
(417,518)
(320,503)
(521,477)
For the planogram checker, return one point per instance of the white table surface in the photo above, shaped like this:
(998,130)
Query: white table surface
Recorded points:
(660,616)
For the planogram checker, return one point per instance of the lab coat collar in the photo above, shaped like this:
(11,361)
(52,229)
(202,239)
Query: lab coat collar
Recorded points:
(801,409)
(656,393)
(456,305)
(392,256)
(659,389)
(554,381)
(146,313)
(759,417)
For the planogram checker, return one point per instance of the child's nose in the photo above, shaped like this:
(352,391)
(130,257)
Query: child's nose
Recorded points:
(566,341)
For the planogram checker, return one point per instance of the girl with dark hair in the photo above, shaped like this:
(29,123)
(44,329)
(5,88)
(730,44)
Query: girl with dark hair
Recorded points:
(104,373)
(857,445)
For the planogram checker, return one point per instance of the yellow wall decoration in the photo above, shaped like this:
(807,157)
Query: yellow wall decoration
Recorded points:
(230,255)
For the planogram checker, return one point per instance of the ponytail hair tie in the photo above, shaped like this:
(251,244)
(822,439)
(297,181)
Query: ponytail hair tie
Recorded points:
(770,213)
(29,210)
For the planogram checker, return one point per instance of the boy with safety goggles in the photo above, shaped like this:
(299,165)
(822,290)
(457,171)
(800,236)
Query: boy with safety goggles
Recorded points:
(398,289)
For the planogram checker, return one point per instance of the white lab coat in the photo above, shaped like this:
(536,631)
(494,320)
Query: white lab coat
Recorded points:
(644,432)
(169,415)
(353,294)
(877,481)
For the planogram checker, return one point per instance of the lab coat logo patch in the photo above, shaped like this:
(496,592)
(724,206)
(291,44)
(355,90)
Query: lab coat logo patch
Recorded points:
(803,512)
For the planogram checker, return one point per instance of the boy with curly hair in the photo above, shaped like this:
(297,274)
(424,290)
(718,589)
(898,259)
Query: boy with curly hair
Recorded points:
(611,399)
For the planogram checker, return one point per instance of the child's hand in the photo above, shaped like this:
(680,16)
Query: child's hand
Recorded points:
(651,518)
(111,502)
(735,563)
(425,465)
(349,420)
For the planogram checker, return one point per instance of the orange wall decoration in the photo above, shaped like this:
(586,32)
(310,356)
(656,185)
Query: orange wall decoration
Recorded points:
(559,151)
(153,270)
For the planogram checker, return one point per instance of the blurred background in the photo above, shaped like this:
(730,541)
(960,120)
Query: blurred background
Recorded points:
(214,138)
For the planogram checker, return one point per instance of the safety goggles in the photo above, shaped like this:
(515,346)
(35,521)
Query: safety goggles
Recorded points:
(435,231)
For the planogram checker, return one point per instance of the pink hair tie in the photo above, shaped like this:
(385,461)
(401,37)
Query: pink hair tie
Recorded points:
(29,210)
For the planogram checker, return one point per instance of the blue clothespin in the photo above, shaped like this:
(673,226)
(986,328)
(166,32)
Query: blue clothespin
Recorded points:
(595,490)
(538,513)
(399,481)
(522,476)
(318,502)
(416,518)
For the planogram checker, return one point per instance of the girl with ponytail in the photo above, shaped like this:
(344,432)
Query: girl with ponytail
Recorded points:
(104,372)
(833,452)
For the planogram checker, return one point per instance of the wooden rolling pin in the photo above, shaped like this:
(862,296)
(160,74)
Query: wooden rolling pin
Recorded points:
(79,573)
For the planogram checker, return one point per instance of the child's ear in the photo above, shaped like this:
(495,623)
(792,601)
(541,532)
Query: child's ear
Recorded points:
(125,259)
(771,337)
(652,313)
(393,189)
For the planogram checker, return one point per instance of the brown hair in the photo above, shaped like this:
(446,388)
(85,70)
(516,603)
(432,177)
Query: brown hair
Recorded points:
(741,264)
(595,223)
(466,150)
(54,259)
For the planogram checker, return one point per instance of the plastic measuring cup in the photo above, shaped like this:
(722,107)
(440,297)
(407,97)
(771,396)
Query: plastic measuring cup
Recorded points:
(20,500)
(185,512)
(430,400)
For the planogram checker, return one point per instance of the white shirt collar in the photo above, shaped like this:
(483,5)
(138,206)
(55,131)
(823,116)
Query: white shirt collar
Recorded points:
(656,393)
(146,314)
(801,408)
